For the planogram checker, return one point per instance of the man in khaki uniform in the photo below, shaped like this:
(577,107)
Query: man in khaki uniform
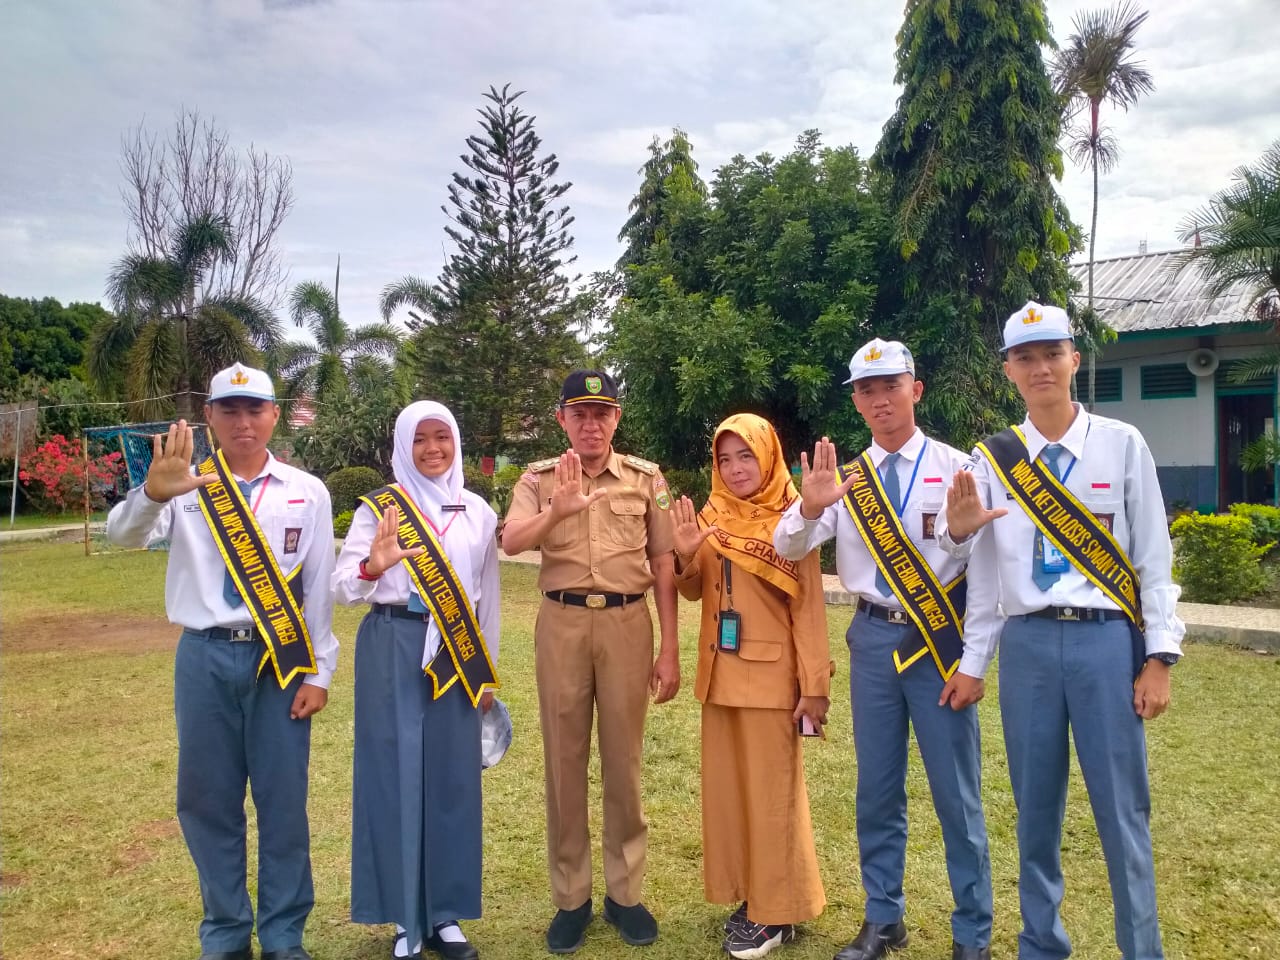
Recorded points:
(602,521)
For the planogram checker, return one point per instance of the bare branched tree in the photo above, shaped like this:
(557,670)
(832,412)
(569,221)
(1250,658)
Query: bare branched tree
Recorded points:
(194,172)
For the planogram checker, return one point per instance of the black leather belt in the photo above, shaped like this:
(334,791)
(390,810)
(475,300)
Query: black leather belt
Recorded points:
(230,634)
(596,601)
(1078,614)
(882,613)
(398,610)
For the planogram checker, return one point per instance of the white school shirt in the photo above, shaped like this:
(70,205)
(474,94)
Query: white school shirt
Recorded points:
(394,584)
(1113,475)
(295,517)
(932,464)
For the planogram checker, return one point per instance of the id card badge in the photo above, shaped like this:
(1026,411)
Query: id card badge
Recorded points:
(730,631)
(1054,560)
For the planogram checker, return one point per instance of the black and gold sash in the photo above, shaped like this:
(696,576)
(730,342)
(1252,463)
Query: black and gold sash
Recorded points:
(931,607)
(1065,522)
(463,653)
(266,591)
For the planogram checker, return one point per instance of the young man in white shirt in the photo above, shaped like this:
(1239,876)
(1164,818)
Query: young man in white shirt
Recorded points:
(247,678)
(1064,524)
(903,641)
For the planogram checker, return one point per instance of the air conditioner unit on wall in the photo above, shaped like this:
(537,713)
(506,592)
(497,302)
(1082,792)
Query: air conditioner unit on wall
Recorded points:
(1202,362)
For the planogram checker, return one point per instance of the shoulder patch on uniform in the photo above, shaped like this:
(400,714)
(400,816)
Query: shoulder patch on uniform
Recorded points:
(645,466)
(538,466)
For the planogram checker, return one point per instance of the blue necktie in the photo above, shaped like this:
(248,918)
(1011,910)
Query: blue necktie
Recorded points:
(229,591)
(1044,579)
(889,477)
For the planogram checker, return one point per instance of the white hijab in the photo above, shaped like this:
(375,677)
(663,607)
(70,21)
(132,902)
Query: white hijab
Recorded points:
(431,494)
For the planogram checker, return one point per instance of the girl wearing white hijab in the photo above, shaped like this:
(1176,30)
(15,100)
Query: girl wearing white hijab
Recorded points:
(416,811)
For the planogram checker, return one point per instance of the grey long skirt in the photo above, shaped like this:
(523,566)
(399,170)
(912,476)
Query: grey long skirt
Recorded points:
(416,805)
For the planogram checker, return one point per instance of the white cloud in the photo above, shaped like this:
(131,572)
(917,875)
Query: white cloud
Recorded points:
(372,99)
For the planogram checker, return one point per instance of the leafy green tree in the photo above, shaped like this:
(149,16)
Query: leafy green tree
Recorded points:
(44,339)
(165,335)
(970,157)
(494,336)
(669,181)
(752,298)
(1096,66)
(320,369)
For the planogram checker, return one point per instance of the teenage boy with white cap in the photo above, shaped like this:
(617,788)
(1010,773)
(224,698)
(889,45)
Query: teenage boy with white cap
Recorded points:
(904,642)
(250,558)
(1064,524)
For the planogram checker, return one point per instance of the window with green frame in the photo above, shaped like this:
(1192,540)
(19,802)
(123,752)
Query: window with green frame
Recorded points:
(1106,384)
(1167,381)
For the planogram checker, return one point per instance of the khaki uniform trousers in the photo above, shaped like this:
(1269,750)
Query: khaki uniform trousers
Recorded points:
(587,658)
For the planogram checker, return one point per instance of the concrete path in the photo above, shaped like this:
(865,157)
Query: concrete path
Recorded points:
(19,535)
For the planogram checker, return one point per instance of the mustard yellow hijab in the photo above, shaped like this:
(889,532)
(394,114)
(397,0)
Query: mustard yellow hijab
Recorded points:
(745,527)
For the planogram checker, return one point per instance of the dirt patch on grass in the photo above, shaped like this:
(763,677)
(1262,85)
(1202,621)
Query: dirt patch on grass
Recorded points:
(80,633)
(142,847)
(12,879)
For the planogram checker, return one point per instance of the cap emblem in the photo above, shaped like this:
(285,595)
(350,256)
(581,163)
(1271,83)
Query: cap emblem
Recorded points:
(239,378)
(1032,316)
(593,384)
(872,355)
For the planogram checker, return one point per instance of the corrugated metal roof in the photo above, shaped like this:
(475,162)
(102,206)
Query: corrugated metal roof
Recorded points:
(1146,292)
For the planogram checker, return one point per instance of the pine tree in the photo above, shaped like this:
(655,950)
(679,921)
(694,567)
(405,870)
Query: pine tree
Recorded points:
(494,336)
(970,156)
(669,185)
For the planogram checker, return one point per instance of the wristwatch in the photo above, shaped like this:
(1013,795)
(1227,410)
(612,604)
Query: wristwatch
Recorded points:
(1168,659)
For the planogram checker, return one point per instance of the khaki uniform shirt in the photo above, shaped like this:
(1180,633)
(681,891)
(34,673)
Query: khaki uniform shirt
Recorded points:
(604,548)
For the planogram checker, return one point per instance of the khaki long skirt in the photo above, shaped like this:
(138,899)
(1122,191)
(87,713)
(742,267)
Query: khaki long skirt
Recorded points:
(757,839)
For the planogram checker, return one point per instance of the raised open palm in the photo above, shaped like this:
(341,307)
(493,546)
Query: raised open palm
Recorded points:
(170,473)
(385,551)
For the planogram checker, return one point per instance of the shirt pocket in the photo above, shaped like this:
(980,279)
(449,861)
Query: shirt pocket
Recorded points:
(760,651)
(562,533)
(627,521)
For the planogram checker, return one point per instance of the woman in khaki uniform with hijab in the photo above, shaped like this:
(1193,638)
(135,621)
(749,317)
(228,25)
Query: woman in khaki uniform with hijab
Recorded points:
(764,674)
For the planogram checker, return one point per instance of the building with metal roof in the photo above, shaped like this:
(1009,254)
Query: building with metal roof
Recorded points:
(1170,373)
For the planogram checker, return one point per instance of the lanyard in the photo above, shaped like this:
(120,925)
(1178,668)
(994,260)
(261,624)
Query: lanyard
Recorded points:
(440,533)
(728,581)
(1074,459)
(902,508)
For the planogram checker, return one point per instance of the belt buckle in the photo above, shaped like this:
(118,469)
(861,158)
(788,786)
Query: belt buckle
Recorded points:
(897,616)
(596,601)
(1068,613)
(241,634)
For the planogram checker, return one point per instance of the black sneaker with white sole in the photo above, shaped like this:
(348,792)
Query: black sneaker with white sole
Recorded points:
(736,919)
(753,940)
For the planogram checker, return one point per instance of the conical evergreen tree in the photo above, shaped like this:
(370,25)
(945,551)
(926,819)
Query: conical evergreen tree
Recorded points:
(494,336)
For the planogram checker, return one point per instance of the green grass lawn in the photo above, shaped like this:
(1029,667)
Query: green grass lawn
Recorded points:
(94,865)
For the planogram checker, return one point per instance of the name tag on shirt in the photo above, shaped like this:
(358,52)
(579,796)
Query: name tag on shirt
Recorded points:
(191,507)
(1054,560)
(454,508)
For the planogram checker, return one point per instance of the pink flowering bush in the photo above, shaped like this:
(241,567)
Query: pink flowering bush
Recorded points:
(53,476)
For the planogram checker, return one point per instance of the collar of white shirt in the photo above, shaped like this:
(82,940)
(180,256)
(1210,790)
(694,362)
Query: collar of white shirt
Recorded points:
(273,468)
(910,450)
(1072,440)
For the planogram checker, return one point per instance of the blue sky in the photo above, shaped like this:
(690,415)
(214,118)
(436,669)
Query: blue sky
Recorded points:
(371,101)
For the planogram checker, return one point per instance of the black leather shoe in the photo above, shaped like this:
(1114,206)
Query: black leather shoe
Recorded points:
(451,950)
(635,924)
(960,952)
(875,940)
(568,929)
(288,953)
(243,954)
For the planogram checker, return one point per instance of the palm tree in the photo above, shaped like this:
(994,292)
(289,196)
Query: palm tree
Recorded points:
(1237,236)
(1096,65)
(324,368)
(164,336)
